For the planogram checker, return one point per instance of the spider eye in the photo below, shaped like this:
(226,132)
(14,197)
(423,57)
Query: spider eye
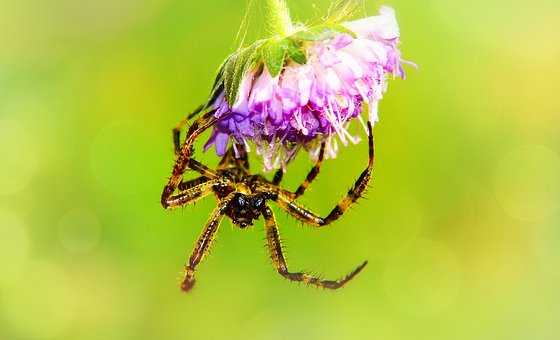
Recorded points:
(241,201)
(258,202)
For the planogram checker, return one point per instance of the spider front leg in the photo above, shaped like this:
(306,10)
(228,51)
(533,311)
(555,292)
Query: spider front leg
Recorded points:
(177,129)
(286,201)
(192,183)
(310,176)
(184,159)
(192,191)
(276,253)
(204,243)
(193,164)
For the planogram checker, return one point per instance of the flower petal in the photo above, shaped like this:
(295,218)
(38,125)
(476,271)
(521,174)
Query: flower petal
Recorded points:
(383,26)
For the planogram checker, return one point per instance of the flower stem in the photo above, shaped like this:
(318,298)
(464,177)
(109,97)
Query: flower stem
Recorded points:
(279,17)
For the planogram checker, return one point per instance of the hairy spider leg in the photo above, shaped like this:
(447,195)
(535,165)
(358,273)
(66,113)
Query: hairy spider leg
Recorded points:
(184,157)
(239,159)
(204,243)
(276,253)
(192,183)
(193,164)
(192,194)
(286,202)
(202,169)
(177,129)
(216,90)
(308,180)
(279,175)
(312,173)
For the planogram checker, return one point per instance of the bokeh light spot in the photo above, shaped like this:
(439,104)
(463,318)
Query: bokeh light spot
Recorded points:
(394,230)
(79,231)
(527,183)
(14,247)
(43,307)
(122,161)
(423,280)
(19,160)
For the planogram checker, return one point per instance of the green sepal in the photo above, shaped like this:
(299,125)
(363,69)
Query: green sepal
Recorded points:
(274,55)
(217,87)
(295,51)
(276,51)
(342,29)
(236,66)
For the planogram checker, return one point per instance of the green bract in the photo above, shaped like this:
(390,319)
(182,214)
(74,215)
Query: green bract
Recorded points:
(273,53)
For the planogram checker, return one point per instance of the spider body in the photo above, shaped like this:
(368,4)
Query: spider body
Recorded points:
(248,202)
(243,210)
(244,198)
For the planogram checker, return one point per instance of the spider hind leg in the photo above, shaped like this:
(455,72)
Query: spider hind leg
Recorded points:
(277,255)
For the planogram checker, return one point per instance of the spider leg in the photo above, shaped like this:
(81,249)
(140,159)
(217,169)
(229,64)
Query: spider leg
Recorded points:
(204,243)
(177,129)
(286,201)
(239,160)
(192,183)
(227,160)
(192,193)
(193,164)
(312,173)
(202,169)
(184,157)
(278,176)
(276,253)
(243,161)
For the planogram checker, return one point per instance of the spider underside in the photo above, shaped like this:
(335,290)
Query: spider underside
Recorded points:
(243,198)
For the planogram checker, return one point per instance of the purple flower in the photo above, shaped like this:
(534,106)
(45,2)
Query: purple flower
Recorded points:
(325,77)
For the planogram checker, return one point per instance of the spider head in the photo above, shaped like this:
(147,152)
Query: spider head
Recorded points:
(244,209)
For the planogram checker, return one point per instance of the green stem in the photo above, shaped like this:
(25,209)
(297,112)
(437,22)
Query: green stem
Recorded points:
(279,18)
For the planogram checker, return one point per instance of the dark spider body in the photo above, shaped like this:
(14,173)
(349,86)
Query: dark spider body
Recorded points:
(244,210)
(247,205)
(243,198)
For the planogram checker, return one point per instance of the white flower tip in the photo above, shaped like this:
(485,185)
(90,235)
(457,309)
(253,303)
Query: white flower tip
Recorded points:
(387,10)
(410,63)
(383,26)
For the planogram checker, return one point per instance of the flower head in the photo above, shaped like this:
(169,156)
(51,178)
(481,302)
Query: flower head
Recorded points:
(285,93)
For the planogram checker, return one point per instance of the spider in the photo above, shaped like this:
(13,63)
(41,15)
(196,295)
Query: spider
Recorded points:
(243,197)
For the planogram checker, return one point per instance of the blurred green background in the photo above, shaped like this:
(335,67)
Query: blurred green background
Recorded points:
(461,226)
